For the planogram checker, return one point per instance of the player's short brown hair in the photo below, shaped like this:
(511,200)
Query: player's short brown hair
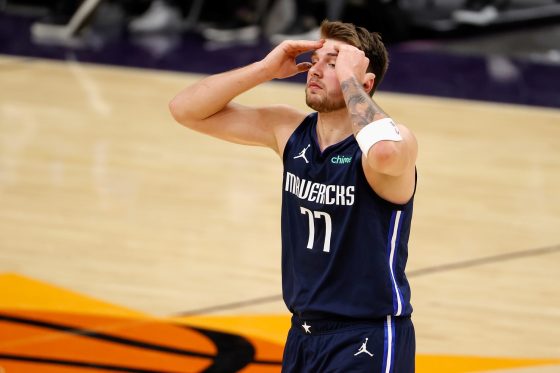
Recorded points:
(369,42)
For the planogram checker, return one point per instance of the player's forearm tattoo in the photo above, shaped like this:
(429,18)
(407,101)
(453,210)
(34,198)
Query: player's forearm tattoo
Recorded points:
(362,109)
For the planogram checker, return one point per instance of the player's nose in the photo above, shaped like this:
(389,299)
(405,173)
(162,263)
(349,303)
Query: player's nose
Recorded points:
(316,70)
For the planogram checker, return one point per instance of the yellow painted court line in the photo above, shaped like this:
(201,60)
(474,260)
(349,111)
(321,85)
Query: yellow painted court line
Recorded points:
(271,328)
(19,292)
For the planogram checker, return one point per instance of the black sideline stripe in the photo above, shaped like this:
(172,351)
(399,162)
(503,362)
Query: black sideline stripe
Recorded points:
(102,336)
(234,352)
(227,306)
(485,260)
(418,272)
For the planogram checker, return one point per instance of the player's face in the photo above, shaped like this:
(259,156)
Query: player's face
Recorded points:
(323,92)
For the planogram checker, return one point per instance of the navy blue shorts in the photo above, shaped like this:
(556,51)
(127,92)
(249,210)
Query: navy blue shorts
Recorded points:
(384,346)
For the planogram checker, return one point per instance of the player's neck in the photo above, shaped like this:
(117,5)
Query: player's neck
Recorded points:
(332,128)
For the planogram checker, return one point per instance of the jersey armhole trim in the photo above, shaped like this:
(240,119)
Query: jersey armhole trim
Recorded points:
(300,127)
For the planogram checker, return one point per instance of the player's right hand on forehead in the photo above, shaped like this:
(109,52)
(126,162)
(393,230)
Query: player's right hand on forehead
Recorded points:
(281,61)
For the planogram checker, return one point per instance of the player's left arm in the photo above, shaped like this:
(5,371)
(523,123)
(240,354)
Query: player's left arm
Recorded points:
(389,149)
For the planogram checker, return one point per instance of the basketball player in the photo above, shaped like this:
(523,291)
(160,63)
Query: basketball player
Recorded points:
(349,182)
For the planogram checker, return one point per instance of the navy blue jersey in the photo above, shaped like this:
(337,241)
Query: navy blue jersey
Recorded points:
(344,248)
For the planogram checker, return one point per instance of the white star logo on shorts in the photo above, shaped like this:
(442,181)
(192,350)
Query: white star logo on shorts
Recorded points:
(306,327)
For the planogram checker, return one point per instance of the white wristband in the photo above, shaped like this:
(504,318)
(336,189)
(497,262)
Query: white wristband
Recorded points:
(379,130)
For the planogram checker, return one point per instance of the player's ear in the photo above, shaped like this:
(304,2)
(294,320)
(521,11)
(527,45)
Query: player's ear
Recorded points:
(369,80)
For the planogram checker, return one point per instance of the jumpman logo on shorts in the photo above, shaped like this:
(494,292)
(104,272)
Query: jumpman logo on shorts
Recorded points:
(364,349)
(302,154)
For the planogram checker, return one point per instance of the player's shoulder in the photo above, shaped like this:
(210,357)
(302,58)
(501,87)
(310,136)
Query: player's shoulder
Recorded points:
(285,121)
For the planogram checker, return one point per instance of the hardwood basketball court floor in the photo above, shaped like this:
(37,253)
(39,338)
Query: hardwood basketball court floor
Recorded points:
(130,244)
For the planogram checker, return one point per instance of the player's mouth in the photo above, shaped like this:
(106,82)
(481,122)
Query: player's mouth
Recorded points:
(314,85)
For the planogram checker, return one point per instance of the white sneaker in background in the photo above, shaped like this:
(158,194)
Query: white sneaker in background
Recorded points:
(480,17)
(159,17)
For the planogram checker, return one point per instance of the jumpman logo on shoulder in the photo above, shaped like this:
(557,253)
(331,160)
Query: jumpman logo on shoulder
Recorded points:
(302,154)
(363,349)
